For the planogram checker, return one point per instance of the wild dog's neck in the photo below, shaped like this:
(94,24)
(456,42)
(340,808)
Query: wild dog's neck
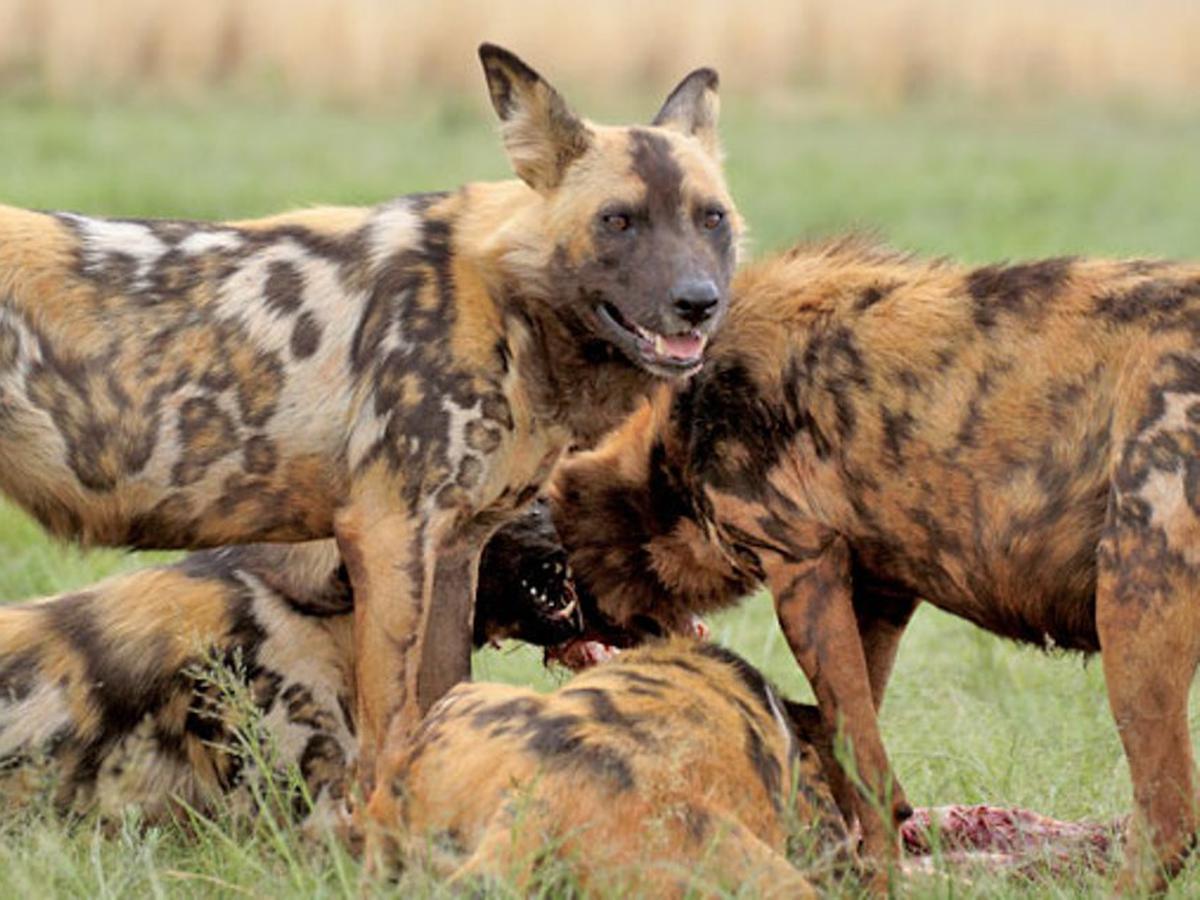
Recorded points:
(574,379)
(781,375)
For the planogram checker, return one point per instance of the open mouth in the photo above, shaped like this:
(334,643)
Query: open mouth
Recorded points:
(677,353)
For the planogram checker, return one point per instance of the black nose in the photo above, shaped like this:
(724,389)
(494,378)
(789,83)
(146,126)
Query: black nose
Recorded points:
(695,299)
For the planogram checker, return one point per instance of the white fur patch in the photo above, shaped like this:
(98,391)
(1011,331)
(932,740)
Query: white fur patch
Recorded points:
(207,241)
(460,418)
(395,226)
(30,723)
(102,239)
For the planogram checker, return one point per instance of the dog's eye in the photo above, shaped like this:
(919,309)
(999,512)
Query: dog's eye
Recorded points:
(616,222)
(713,219)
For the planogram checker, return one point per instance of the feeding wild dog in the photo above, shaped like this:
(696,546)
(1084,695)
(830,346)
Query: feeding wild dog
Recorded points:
(110,698)
(401,377)
(1018,445)
(673,770)
(677,768)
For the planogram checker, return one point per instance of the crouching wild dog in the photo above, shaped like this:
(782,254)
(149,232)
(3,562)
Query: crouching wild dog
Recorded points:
(1016,444)
(401,378)
(674,770)
(153,689)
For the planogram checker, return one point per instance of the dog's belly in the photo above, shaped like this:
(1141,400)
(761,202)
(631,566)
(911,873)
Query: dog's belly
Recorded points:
(1032,583)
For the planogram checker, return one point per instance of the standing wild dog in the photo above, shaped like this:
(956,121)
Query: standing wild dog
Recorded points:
(112,696)
(402,377)
(1018,445)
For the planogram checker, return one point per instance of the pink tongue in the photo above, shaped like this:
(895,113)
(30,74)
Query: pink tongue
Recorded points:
(683,346)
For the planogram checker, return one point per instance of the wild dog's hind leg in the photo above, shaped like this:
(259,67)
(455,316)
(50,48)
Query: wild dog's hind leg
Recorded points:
(815,609)
(1148,619)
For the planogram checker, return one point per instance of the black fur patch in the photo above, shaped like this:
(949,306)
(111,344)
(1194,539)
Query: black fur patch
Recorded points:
(557,742)
(750,677)
(18,675)
(1015,290)
(770,773)
(655,164)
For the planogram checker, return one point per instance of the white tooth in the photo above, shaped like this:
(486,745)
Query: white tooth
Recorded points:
(660,346)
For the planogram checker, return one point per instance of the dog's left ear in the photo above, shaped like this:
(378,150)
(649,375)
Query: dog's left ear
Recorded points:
(541,134)
(692,108)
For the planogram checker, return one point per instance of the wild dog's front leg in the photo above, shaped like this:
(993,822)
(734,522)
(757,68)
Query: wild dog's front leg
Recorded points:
(383,554)
(814,603)
(446,654)
(444,660)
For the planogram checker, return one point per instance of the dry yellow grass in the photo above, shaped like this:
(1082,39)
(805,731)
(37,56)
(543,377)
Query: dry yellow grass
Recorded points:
(379,50)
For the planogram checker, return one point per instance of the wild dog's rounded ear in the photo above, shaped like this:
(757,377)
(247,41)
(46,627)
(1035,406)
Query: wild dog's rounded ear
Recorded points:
(693,108)
(541,134)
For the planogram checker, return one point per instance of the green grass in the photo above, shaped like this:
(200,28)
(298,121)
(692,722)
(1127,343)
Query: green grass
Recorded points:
(969,718)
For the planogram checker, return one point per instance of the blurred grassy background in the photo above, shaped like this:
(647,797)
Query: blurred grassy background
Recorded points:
(982,130)
(385,50)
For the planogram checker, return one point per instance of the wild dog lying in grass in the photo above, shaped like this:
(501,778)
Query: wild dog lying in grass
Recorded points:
(153,688)
(400,377)
(673,768)
(1018,445)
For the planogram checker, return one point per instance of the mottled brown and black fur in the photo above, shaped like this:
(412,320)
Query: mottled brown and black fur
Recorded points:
(1016,444)
(400,377)
(674,770)
(150,689)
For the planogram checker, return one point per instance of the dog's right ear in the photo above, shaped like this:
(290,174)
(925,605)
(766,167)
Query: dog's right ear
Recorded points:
(541,134)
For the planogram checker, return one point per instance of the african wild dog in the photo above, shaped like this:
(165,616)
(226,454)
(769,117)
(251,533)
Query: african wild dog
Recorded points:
(402,378)
(674,770)
(1016,444)
(110,696)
